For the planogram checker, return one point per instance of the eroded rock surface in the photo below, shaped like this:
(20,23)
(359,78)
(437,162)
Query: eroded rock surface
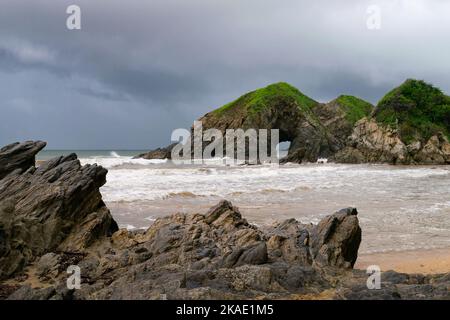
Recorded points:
(371,142)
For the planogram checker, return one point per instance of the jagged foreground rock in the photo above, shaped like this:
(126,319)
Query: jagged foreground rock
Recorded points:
(57,206)
(52,217)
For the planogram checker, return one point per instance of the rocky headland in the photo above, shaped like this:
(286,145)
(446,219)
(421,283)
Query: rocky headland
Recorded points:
(410,125)
(53,216)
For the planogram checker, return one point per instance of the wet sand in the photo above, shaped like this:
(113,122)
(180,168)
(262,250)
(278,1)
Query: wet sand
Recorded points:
(428,261)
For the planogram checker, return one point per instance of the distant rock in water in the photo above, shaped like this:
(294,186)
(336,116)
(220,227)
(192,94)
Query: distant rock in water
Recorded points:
(159,153)
(410,125)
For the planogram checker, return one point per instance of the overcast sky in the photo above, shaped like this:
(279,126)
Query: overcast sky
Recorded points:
(138,69)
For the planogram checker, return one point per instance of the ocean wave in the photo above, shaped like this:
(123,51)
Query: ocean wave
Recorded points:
(117,161)
(140,179)
(182,194)
(127,226)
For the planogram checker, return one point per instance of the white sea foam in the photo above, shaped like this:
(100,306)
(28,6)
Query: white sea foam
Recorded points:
(151,182)
(116,161)
(127,226)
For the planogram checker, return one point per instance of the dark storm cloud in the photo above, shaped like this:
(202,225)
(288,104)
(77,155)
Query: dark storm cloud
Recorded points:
(138,69)
(101,94)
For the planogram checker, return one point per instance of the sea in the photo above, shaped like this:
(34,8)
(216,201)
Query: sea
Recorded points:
(400,207)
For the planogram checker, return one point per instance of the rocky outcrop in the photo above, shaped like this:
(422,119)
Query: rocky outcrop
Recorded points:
(213,255)
(335,240)
(314,129)
(410,125)
(435,151)
(219,255)
(57,206)
(159,153)
(373,143)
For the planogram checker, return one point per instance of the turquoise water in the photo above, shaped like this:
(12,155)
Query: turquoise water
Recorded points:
(85,154)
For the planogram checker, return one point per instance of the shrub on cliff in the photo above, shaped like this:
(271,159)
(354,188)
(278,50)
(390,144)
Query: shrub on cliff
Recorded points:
(266,97)
(354,108)
(417,109)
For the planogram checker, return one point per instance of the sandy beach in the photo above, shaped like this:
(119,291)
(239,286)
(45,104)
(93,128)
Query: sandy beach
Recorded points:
(429,261)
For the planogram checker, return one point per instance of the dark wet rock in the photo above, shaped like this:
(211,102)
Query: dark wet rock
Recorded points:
(394,286)
(26,292)
(19,156)
(48,265)
(335,240)
(51,265)
(395,277)
(57,206)
(159,153)
(7,290)
(254,255)
(289,241)
(216,211)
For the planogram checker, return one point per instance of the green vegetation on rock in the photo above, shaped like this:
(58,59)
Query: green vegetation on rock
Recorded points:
(354,108)
(258,100)
(417,109)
